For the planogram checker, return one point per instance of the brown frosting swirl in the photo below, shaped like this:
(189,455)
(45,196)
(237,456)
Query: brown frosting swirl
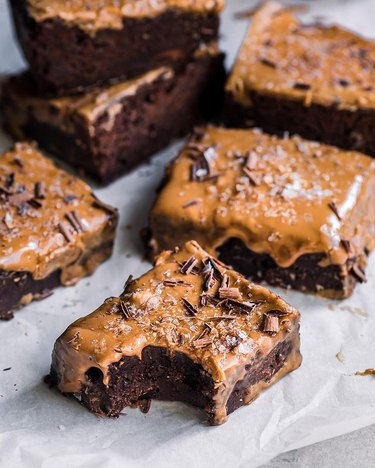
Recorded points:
(319,64)
(93,14)
(49,219)
(281,196)
(154,311)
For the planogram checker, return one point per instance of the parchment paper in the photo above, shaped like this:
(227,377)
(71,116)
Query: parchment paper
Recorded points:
(40,428)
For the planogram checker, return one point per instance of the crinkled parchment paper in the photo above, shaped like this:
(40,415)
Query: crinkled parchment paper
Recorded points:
(324,398)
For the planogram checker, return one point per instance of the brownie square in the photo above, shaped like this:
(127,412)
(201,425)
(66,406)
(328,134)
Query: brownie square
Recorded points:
(108,131)
(309,79)
(292,212)
(71,46)
(53,230)
(189,330)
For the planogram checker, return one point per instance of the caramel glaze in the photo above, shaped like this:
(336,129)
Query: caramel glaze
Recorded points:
(150,312)
(50,219)
(284,197)
(98,14)
(325,65)
(65,112)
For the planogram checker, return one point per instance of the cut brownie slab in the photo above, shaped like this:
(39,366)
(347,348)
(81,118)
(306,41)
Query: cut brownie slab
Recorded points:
(53,230)
(314,80)
(78,44)
(108,131)
(190,330)
(289,211)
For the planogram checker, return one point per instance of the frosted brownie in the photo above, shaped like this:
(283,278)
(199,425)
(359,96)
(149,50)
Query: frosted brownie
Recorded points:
(78,44)
(292,212)
(53,230)
(314,80)
(108,131)
(190,330)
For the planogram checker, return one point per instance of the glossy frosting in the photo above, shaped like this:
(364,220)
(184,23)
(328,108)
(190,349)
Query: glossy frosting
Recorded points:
(294,197)
(310,63)
(157,317)
(49,219)
(95,14)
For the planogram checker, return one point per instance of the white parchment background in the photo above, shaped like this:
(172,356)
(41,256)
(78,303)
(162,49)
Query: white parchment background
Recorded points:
(40,428)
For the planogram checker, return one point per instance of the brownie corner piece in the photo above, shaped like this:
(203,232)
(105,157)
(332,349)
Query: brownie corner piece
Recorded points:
(91,43)
(288,211)
(53,229)
(309,79)
(108,131)
(190,329)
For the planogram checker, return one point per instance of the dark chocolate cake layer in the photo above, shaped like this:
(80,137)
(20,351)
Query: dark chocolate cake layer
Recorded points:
(71,46)
(110,130)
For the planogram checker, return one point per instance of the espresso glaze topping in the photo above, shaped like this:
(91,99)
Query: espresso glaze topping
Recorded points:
(281,196)
(91,15)
(318,64)
(63,112)
(48,218)
(164,307)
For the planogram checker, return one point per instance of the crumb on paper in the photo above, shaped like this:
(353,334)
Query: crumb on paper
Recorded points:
(354,310)
(331,307)
(340,357)
(369,371)
(6,369)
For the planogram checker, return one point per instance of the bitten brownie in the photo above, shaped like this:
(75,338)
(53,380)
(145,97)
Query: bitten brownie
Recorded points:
(292,212)
(108,131)
(78,44)
(190,330)
(314,80)
(53,230)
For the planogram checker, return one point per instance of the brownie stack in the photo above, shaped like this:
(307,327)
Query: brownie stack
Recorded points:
(108,85)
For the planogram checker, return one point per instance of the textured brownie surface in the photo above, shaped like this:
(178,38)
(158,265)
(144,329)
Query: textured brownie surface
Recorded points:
(190,330)
(108,131)
(314,80)
(53,229)
(90,43)
(289,200)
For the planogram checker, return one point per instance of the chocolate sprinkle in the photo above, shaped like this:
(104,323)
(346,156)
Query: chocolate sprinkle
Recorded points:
(332,205)
(9,181)
(190,203)
(301,86)
(267,62)
(124,310)
(64,231)
(172,283)
(271,324)
(40,190)
(358,273)
(73,221)
(190,309)
(243,307)
(208,275)
(188,266)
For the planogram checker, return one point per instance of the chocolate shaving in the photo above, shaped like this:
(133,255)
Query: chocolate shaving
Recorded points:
(208,275)
(302,86)
(190,309)
(21,197)
(243,307)
(267,62)
(191,203)
(344,82)
(217,271)
(124,310)
(254,179)
(34,203)
(9,181)
(40,190)
(271,324)
(188,266)
(346,245)
(332,205)
(358,273)
(202,342)
(229,293)
(18,161)
(277,312)
(127,282)
(64,231)
(224,282)
(172,283)
(72,218)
